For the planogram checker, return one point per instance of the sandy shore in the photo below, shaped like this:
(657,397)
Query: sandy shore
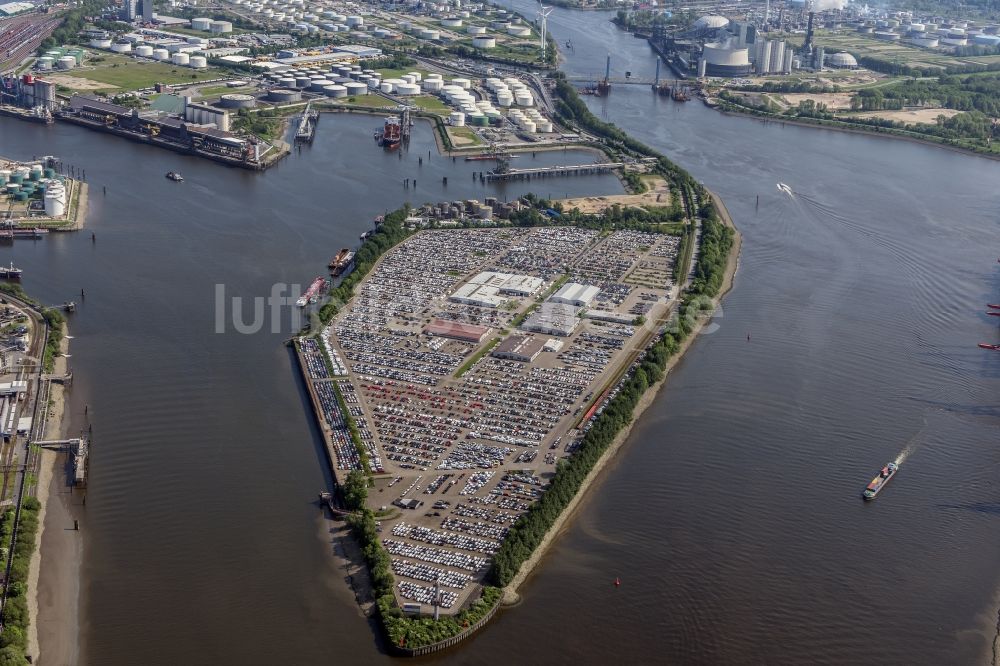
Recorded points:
(528,567)
(53,599)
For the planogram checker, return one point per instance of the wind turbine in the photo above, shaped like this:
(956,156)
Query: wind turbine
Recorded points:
(543,15)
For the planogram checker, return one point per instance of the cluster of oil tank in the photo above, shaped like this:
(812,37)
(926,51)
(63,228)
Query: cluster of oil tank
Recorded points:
(23,182)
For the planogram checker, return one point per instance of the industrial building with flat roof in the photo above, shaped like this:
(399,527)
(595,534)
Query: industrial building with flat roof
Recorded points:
(553,319)
(485,289)
(520,348)
(574,293)
(446,328)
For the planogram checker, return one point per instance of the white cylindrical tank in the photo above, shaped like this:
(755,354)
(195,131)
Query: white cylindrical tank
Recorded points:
(519,30)
(484,42)
(476,30)
(100,43)
(220,27)
(66,62)
(456,118)
(416,76)
(44,63)
(524,98)
(432,35)
(464,84)
(374,83)
(408,79)
(407,89)
(385,87)
(161,54)
(121,47)
(355,21)
(451,22)
(180,59)
(201,23)
(335,91)
(144,51)
(356,88)
(432,85)
(319,84)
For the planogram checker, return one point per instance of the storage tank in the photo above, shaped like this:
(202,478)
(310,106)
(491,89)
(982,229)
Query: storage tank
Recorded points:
(237,101)
(161,54)
(464,84)
(407,89)
(432,85)
(302,82)
(198,62)
(484,42)
(100,43)
(44,63)
(287,82)
(356,88)
(355,21)
(723,61)
(457,119)
(451,22)
(986,40)
(201,23)
(284,96)
(117,47)
(55,202)
(180,59)
(66,62)
(335,90)
(317,85)
(144,51)
(374,83)
(519,30)
(476,30)
(432,35)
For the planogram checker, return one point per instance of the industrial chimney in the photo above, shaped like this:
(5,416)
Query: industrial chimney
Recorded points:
(807,47)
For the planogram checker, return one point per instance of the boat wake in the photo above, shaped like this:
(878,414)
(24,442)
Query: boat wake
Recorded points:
(911,445)
(787,190)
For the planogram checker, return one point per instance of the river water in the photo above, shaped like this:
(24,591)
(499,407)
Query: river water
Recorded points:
(732,517)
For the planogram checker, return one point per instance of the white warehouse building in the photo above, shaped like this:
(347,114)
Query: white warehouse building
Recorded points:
(574,293)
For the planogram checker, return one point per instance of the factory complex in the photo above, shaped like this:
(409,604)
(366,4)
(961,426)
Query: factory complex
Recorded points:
(464,368)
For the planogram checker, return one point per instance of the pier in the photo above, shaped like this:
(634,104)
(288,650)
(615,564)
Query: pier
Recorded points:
(79,448)
(541,172)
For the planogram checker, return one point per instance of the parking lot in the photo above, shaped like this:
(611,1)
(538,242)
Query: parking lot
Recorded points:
(462,450)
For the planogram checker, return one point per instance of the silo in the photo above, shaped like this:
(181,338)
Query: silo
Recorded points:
(144,51)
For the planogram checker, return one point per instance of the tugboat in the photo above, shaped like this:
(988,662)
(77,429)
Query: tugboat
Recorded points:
(878,483)
(10,272)
(174,176)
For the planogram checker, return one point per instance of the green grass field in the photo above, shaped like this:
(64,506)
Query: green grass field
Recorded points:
(900,52)
(431,104)
(124,73)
